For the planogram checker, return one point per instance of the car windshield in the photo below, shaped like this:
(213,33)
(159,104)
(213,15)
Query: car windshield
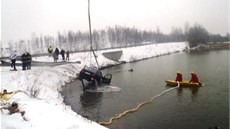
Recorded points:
(93,70)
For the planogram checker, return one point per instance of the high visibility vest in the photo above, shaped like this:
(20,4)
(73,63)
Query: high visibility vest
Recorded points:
(50,49)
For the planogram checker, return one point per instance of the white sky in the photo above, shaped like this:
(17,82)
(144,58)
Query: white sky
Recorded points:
(22,17)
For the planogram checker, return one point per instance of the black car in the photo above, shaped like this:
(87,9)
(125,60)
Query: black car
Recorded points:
(93,76)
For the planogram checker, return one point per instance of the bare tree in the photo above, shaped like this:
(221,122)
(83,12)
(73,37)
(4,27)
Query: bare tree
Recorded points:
(197,35)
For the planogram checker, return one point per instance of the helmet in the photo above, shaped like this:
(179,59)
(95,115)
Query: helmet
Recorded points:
(14,104)
(177,71)
(4,91)
(192,72)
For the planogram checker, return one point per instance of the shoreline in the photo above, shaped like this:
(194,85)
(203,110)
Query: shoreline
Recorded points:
(212,46)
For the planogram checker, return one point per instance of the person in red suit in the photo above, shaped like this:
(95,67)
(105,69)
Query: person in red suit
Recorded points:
(194,78)
(178,76)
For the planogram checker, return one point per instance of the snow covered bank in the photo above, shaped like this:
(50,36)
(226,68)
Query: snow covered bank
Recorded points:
(41,99)
(153,50)
(42,102)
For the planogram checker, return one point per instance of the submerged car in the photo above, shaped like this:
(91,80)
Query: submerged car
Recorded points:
(94,77)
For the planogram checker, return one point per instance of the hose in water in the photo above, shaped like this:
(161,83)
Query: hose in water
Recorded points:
(118,116)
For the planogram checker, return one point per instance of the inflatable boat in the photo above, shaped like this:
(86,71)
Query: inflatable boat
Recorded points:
(183,83)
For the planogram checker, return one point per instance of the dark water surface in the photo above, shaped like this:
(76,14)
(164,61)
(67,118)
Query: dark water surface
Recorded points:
(184,108)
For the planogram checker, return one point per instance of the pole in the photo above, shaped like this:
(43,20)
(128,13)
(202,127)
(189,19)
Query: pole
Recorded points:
(90,34)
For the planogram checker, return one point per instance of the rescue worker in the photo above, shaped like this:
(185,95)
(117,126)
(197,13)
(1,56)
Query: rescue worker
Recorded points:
(194,78)
(50,50)
(13,108)
(5,93)
(179,77)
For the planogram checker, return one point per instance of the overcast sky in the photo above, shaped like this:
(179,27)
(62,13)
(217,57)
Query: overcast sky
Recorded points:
(20,18)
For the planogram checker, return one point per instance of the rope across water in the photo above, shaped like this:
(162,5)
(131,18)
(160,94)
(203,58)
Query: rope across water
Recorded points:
(118,116)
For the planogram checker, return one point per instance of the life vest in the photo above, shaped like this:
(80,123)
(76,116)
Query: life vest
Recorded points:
(194,78)
(179,77)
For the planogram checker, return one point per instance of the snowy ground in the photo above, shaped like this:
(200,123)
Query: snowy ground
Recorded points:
(41,100)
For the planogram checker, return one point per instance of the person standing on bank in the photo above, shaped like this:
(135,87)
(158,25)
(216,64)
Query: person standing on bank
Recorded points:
(24,61)
(67,55)
(63,54)
(28,60)
(56,54)
(50,50)
(13,57)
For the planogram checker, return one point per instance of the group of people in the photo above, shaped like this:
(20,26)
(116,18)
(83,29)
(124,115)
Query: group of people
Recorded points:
(56,53)
(26,59)
(194,78)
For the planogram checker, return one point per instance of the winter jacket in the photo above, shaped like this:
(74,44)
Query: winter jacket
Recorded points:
(50,49)
(28,58)
(13,55)
(62,52)
(24,58)
(56,51)
(67,54)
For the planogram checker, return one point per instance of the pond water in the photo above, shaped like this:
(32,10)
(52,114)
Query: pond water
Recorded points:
(183,108)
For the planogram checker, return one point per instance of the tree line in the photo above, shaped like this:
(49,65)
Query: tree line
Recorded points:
(117,36)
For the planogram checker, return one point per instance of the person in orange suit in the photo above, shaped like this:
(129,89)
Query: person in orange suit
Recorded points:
(194,78)
(179,77)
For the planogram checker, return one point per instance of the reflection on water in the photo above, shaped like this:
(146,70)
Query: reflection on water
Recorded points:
(90,99)
(89,104)
(193,90)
